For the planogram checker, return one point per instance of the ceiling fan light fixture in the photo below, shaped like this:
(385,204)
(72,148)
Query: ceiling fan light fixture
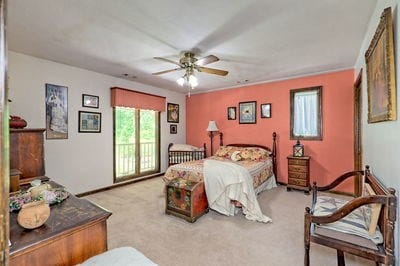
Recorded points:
(193,81)
(180,81)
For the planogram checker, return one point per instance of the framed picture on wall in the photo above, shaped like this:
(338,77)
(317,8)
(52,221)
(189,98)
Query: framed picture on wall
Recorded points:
(173,129)
(172,113)
(265,110)
(56,112)
(89,122)
(90,101)
(231,113)
(379,59)
(247,112)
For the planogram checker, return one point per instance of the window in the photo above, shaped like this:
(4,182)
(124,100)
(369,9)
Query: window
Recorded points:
(136,143)
(305,113)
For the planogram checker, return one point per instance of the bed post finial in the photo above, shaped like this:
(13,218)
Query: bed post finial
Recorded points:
(275,166)
(221,141)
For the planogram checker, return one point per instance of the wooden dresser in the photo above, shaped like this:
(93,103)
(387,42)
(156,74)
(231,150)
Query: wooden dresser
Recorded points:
(27,153)
(75,231)
(299,173)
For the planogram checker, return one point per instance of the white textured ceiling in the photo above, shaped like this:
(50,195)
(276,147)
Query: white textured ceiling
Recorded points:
(255,40)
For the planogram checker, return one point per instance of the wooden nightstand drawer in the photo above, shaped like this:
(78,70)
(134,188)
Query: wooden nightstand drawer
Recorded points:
(297,168)
(298,182)
(298,162)
(298,175)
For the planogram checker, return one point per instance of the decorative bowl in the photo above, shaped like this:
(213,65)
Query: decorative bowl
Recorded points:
(33,214)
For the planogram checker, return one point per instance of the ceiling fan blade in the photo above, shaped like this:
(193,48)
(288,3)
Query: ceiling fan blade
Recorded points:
(207,60)
(212,71)
(166,71)
(169,61)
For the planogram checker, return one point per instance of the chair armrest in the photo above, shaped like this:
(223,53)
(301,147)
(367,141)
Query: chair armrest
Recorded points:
(339,180)
(332,185)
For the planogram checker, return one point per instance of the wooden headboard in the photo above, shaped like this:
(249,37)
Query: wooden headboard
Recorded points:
(273,150)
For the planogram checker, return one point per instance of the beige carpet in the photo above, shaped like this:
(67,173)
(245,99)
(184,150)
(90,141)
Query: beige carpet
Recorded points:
(139,221)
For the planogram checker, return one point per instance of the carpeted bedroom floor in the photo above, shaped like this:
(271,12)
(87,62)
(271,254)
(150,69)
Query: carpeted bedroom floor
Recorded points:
(139,221)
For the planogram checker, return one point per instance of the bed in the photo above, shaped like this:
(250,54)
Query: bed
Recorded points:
(180,153)
(258,160)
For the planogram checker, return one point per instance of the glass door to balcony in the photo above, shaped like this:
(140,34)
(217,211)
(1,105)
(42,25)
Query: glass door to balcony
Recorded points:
(136,143)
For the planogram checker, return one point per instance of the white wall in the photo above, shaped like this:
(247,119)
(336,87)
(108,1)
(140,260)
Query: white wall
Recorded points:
(381,144)
(84,161)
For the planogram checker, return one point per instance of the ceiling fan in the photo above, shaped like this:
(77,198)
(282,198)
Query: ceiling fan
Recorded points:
(189,63)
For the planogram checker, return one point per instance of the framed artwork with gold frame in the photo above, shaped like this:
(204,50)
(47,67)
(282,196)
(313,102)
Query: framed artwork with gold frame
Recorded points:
(172,113)
(379,59)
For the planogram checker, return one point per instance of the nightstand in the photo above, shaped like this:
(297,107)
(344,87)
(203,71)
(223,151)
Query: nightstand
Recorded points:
(299,173)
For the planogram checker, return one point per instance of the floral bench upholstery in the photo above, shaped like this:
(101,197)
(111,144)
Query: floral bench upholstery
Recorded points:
(362,226)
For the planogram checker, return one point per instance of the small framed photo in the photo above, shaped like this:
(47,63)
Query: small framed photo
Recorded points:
(173,129)
(247,112)
(231,113)
(172,113)
(90,101)
(266,110)
(89,122)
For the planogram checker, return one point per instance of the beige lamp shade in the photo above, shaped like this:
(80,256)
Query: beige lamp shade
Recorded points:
(212,126)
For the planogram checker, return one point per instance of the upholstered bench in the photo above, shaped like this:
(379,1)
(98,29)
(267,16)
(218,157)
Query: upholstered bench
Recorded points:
(362,226)
(123,256)
(354,228)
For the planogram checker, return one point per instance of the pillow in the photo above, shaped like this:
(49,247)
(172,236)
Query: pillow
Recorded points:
(182,147)
(236,156)
(372,215)
(255,154)
(354,223)
(246,154)
(225,151)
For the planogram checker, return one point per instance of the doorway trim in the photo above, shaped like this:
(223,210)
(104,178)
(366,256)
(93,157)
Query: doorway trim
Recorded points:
(357,131)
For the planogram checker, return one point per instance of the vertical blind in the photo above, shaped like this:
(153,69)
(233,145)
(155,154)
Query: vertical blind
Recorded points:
(121,97)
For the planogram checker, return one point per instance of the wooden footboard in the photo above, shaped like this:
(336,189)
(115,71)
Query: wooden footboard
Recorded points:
(175,157)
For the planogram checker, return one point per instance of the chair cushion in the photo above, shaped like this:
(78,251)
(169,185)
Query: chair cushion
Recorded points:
(124,256)
(354,223)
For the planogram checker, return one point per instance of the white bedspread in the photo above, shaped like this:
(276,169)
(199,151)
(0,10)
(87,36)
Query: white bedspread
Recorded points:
(225,181)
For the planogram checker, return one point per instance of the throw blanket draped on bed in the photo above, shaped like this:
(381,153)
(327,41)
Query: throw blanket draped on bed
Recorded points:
(226,181)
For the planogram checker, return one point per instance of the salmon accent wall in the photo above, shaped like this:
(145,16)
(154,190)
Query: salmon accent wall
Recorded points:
(329,158)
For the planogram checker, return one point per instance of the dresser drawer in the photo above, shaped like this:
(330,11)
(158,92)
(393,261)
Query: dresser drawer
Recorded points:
(298,168)
(297,182)
(298,175)
(298,162)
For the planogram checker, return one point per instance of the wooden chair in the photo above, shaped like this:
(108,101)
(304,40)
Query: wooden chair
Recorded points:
(345,242)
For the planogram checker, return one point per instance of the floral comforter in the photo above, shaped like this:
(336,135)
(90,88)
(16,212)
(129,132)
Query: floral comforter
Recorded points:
(193,170)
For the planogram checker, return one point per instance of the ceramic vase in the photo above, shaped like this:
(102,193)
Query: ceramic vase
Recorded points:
(33,214)
(17,122)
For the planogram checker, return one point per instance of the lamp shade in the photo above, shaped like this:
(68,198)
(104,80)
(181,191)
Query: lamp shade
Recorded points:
(212,126)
